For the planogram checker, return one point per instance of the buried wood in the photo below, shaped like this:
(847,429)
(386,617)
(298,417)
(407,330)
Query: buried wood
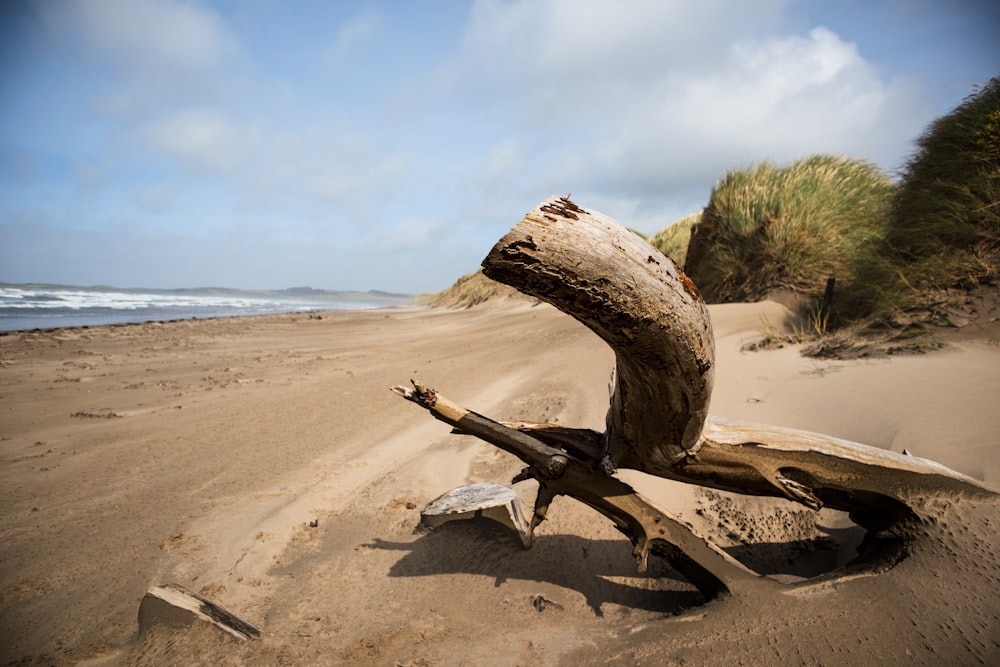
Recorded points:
(652,316)
(174,607)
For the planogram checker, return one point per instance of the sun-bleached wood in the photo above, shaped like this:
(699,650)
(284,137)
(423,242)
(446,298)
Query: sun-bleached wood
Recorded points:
(175,607)
(639,302)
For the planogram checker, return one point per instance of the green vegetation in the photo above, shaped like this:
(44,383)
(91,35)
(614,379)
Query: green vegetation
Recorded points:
(768,228)
(469,290)
(673,240)
(893,249)
(944,228)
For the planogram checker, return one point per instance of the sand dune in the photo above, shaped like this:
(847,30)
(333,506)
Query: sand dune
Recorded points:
(199,453)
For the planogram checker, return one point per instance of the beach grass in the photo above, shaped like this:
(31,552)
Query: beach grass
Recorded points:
(469,290)
(769,227)
(892,247)
(944,226)
(673,240)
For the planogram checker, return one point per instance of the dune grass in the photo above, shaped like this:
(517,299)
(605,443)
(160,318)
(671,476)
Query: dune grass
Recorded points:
(469,290)
(770,227)
(892,248)
(673,240)
(944,226)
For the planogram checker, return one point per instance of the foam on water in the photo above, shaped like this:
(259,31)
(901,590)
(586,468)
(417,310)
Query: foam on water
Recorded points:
(32,306)
(81,299)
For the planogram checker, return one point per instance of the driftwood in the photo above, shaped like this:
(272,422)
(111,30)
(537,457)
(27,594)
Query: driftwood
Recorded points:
(485,499)
(173,606)
(641,304)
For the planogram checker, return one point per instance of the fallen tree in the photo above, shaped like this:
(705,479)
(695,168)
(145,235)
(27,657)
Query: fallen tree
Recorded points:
(653,317)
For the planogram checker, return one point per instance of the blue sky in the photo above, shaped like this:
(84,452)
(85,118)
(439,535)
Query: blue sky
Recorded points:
(388,144)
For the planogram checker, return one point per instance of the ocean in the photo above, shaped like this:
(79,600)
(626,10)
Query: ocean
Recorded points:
(38,306)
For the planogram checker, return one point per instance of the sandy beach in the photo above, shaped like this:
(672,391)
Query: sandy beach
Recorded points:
(263,462)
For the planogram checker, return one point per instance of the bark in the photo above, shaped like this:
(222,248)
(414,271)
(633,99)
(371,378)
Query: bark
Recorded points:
(653,317)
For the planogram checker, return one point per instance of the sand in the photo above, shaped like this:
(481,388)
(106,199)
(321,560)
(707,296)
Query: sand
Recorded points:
(263,463)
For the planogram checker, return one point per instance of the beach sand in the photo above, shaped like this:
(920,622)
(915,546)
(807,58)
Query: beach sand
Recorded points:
(263,463)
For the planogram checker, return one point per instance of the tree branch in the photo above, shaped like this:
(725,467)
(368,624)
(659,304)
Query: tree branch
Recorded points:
(650,528)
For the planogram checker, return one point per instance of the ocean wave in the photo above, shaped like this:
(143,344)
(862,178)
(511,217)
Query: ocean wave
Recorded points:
(30,306)
(82,299)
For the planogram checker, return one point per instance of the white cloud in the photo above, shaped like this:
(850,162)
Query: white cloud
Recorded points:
(562,41)
(182,86)
(203,140)
(325,179)
(652,99)
(158,52)
(780,99)
(157,199)
(412,234)
(355,32)
(147,34)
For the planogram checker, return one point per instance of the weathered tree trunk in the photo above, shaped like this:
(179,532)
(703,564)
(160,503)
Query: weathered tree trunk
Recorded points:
(636,299)
(653,317)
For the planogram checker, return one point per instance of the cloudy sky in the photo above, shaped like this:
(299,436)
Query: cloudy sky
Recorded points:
(388,144)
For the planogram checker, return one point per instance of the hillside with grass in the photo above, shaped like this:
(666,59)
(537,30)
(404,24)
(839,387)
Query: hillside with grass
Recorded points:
(863,255)
(923,250)
(768,228)
(673,239)
(944,227)
(468,291)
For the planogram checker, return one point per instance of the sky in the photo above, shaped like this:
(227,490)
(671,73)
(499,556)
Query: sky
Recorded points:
(388,144)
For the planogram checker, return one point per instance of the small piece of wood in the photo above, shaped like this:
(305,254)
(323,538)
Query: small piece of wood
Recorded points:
(484,499)
(174,607)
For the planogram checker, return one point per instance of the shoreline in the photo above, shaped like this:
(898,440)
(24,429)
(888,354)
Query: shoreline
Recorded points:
(35,306)
(317,311)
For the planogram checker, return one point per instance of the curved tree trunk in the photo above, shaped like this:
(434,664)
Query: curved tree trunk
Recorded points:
(649,312)
(637,300)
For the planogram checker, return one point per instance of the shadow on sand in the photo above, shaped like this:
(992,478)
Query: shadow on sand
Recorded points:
(603,571)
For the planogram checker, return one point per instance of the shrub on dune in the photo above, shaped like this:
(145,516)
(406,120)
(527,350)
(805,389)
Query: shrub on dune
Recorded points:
(768,228)
(944,226)
(673,240)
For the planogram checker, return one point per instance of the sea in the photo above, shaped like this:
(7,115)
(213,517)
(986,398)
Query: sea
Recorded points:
(43,306)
